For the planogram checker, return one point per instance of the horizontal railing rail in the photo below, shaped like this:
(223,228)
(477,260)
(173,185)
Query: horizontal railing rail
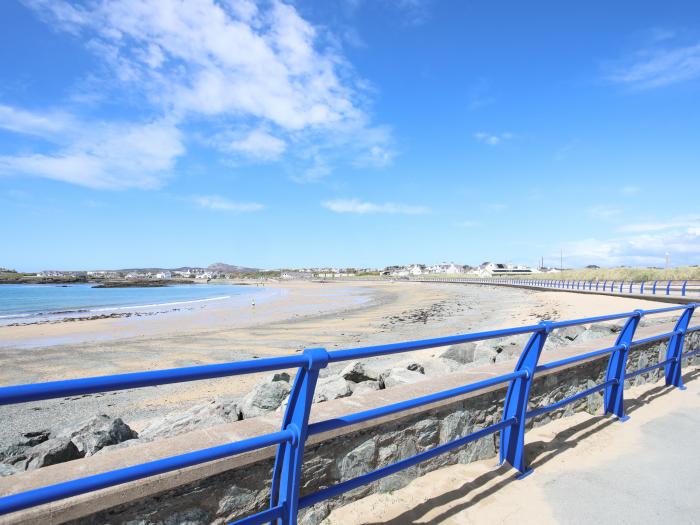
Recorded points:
(682,288)
(659,287)
(285,500)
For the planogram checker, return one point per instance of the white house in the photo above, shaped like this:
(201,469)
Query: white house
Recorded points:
(165,274)
(416,269)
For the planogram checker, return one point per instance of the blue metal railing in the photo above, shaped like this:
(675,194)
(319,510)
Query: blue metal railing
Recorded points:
(682,288)
(290,440)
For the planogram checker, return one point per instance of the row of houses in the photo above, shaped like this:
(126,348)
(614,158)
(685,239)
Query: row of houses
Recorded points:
(490,269)
(487,269)
(422,269)
(61,273)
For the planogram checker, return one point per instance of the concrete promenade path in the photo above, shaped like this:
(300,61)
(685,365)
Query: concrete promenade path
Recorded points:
(588,470)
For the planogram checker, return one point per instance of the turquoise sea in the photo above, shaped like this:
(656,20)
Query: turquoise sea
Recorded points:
(30,302)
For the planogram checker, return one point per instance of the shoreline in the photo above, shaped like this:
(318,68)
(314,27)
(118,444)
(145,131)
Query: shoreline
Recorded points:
(273,302)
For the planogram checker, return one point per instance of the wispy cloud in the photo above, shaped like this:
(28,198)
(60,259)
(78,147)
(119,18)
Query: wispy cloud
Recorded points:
(685,222)
(259,144)
(642,244)
(363,207)
(602,212)
(630,190)
(110,156)
(468,224)
(408,12)
(259,75)
(217,203)
(29,123)
(658,66)
(492,139)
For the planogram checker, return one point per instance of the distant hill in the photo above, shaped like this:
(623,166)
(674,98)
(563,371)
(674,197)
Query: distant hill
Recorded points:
(230,268)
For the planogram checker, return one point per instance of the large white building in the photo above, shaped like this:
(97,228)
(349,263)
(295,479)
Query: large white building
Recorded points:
(490,269)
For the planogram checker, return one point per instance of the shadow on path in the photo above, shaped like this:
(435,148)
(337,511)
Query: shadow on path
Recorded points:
(538,452)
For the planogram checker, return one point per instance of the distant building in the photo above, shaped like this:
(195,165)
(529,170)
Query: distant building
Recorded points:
(291,274)
(57,273)
(445,268)
(165,274)
(490,269)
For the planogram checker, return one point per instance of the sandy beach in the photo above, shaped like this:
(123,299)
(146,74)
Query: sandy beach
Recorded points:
(297,315)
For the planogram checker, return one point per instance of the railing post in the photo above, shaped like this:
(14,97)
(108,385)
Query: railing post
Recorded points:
(286,476)
(621,285)
(668,288)
(653,289)
(631,284)
(612,286)
(685,283)
(597,283)
(641,288)
(605,283)
(617,365)
(674,351)
(512,447)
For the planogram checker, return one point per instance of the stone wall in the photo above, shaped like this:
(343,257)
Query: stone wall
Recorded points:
(236,493)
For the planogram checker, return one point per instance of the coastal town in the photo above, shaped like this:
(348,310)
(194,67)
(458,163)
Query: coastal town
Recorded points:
(226,271)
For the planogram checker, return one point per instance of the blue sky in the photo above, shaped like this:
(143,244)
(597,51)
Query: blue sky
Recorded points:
(348,132)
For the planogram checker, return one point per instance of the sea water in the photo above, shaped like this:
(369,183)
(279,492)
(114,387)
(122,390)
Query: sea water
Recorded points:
(35,302)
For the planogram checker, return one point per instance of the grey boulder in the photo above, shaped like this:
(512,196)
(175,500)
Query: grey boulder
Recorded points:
(357,372)
(331,387)
(98,432)
(365,387)
(51,452)
(401,376)
(199,416)
(463,353)
(266,396)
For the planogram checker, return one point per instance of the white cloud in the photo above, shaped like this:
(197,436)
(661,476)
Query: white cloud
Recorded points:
(602,212)
(259,144)
(630,190)
(362,207)
(217,203)
(685,222)
(468,224)
(492,139)
(656,67)
(29,123)
(646,244)
(231,64)
(115,156)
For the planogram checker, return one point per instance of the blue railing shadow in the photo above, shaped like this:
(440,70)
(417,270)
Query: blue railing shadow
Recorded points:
(290,440)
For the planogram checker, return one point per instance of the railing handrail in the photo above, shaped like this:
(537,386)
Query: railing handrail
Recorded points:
(285,500)
(617,286)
